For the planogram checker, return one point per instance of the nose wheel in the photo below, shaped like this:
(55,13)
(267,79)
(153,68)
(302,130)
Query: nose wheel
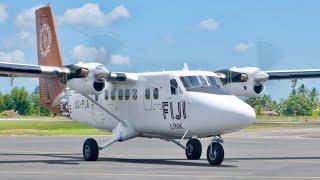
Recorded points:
(215,152)
(193,149)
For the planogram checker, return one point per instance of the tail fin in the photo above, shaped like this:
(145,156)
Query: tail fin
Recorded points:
(48,55)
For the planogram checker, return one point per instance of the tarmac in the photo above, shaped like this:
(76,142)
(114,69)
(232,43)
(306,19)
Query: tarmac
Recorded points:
(261,154)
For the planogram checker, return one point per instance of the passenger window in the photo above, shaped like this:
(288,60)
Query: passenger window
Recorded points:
(147,93)
(134,94)
(113,94)
(155,93)
(96,97)
(174,86)
(106,94)
(120,94)
(127,94)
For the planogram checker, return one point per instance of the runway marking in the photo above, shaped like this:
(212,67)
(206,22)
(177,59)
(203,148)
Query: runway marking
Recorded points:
(165,175)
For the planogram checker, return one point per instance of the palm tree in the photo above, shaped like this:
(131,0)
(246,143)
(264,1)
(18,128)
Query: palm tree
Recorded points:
(302,90)
(313,96)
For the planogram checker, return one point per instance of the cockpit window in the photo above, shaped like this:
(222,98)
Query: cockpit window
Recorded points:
(193,81)
(205,84)
(214,81)
(173,86)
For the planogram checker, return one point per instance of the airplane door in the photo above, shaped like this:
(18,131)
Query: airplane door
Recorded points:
(147,99)
(98,113)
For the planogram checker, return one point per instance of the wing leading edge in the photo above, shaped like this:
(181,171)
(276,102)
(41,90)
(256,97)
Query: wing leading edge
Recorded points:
(27,70)
(293,74)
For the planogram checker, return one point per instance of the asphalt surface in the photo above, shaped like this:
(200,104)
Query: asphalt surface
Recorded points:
(278,154)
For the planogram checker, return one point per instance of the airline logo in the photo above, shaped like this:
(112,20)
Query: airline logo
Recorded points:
(45,40)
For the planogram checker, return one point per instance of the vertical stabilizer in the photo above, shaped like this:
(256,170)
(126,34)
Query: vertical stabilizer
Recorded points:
(49,54)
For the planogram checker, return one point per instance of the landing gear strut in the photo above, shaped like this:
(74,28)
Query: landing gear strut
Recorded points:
(120,133)
(215,152)
(91,148)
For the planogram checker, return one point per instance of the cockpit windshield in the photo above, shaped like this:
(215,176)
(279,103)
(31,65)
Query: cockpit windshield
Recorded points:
(209,84)
(193,81)
(200,81)
(214,81)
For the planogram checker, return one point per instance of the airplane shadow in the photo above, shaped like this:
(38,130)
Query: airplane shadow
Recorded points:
(75,159)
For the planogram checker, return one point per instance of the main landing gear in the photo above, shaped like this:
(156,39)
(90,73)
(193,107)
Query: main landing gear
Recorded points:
(90,150)
(215,151)
(120,133)
(193,149)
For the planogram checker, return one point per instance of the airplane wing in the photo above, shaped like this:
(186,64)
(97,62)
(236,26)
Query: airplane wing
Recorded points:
(250,81)
(293,74)
(26,70)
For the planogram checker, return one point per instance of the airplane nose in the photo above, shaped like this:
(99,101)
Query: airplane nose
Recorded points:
(237,113)
(246,114)
(222,113)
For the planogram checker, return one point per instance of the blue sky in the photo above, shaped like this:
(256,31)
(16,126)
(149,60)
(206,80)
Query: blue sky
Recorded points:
(151,36)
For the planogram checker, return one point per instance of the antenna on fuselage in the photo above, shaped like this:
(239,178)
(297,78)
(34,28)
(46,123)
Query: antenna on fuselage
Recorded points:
(185,67)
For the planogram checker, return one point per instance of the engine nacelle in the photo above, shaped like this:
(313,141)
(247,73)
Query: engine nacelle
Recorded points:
(247,81)
(245,89)
(94,81)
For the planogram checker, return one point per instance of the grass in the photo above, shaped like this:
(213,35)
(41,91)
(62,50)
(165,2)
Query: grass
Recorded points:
(288,118)
(281,125)
(47,128)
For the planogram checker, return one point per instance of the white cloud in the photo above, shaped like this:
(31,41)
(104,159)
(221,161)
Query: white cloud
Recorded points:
(27,38)
(85,53)
(209,25)
(90,14)
(243,47)
(15,56)
(22,40)
(119,59)
(24,35)
(26,18)
(3,13)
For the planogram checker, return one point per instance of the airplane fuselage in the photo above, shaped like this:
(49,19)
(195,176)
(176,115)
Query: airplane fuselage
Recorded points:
(154,108)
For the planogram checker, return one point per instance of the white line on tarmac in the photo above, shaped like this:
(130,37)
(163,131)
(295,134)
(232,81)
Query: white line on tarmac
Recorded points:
(236,176)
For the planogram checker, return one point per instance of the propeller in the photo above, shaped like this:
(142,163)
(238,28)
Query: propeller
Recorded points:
(268,53)
(98,46)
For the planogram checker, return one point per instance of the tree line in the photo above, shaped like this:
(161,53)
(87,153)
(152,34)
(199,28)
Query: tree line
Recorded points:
(300,102)
(19,100)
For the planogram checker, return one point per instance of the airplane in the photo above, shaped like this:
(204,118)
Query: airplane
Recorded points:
(169,105)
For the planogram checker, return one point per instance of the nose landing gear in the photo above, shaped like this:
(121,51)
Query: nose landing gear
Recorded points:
(215,151)
(193,149)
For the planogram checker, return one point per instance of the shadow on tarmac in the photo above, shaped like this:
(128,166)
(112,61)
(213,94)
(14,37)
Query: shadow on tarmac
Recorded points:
(74,159)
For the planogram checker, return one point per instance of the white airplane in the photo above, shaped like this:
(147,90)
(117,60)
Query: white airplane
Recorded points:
(170,105)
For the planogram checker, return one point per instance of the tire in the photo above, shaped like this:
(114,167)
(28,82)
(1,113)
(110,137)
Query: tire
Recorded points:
(216,156)
(90,150)
(194,149)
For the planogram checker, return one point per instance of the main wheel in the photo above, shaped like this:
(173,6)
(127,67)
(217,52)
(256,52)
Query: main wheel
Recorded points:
(90,150)
(194,149)
(215,154)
